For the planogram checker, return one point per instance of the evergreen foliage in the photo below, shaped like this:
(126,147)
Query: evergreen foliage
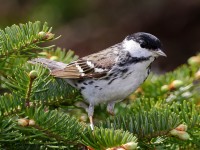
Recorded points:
(38,111)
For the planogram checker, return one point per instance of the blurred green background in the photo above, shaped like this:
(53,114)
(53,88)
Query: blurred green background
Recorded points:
(87,26)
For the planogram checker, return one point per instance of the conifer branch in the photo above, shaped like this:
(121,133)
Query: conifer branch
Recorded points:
(10,104)
(102,138)
(146,125)
(18,39)
(51,124)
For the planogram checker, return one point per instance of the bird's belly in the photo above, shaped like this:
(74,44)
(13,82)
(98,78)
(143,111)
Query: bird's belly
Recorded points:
(114,89)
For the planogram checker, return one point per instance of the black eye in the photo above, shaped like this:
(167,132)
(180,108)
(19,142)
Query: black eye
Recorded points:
(143,44)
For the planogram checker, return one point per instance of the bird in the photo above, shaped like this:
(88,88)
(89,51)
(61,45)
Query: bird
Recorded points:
(110,75)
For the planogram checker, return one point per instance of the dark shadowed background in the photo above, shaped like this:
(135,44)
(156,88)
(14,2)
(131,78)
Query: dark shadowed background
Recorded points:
(87,26)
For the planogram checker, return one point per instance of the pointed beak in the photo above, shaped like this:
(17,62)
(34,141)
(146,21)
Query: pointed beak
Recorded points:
(159,52)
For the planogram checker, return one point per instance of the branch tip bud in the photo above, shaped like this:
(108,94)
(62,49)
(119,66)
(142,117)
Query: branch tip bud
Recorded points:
(33,74)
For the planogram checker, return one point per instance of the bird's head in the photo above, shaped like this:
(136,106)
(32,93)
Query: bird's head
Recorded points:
(143,44)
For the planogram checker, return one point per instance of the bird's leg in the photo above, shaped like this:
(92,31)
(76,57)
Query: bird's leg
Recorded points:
(89,110)
(90,115)
(110,108)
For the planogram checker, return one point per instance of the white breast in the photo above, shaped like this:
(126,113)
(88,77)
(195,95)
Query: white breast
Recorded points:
(100,91)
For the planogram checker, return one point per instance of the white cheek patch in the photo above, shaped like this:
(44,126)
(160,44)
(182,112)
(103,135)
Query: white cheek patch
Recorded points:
(130,44)
(135,49)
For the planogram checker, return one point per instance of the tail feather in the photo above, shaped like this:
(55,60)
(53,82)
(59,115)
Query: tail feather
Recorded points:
(50,64)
